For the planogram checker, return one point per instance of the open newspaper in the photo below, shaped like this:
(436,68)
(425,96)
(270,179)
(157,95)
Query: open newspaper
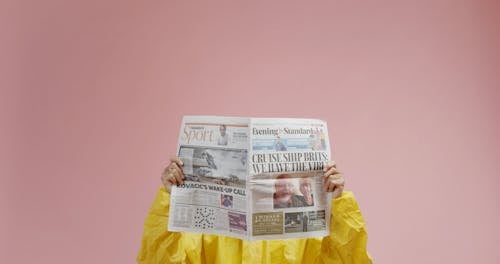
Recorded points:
(252,178)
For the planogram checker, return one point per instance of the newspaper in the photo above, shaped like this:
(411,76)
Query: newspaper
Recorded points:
(252,178)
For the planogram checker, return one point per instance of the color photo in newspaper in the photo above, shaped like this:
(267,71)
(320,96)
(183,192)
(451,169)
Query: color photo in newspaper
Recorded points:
(252,178)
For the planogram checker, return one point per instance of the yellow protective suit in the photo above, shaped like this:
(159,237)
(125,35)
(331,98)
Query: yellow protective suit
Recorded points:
(345,244)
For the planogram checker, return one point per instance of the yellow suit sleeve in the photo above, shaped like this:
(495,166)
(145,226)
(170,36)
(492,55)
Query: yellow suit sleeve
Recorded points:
(345,244)
(348,236)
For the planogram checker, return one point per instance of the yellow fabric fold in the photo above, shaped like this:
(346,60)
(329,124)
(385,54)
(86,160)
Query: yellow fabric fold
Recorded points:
(345,244)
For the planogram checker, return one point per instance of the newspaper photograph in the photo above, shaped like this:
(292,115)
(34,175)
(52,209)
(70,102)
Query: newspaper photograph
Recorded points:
(214,165)
(252,178)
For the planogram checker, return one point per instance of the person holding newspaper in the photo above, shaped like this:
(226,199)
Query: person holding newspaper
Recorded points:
(345,244)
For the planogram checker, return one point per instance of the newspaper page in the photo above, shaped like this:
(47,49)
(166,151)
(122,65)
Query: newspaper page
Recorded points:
(252,178)
(286,164)
(213,197)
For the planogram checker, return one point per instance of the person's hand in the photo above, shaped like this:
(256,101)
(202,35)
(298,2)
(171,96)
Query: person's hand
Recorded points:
(333,180)
(305,189)
(173,174)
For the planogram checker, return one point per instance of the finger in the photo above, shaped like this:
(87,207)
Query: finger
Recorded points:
(337,182)
(337,192)
(331,171)
(339,177)
(165,171)
(331,186)
(178,169)
(170,172)
(325,181)
(326,185)
(171,179)
(177,161)
(329,165)
(165,174)
(333,181)
(177,175)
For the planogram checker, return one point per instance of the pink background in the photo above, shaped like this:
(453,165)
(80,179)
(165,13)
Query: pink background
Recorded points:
(93,93)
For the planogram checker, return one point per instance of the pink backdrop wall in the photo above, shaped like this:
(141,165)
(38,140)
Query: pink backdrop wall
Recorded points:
(93,93)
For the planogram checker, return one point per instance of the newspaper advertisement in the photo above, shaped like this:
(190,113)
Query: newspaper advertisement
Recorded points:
(252,178)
